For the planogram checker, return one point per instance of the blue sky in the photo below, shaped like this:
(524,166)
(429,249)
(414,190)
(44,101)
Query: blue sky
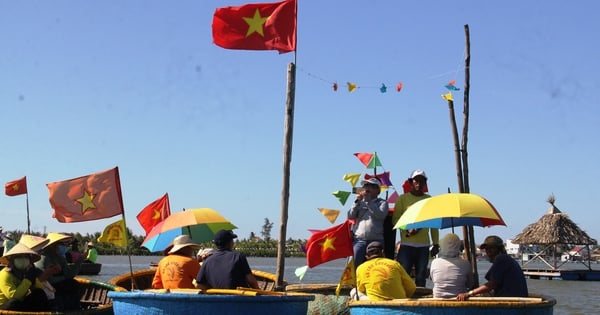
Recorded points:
(88,86)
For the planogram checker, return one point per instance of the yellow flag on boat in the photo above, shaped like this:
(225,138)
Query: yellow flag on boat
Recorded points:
(348,276)
(114,233)
(330,214)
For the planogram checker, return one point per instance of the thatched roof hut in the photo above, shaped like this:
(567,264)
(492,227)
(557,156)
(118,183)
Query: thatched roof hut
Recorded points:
(554,227)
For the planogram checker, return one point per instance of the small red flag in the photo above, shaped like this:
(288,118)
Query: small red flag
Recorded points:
(16,187)
(155,212)
(91,197)
(329,244)
(256,26)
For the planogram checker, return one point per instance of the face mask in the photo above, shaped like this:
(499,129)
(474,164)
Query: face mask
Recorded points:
(62,249)
(22,263)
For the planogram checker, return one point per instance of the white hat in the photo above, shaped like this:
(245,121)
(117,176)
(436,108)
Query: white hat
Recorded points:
(182,241)
(372,181)
(20,249)
(416,173)
(206,252)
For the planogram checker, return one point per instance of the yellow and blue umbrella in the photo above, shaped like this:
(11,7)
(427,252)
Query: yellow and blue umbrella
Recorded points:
(450,210)
(201,224)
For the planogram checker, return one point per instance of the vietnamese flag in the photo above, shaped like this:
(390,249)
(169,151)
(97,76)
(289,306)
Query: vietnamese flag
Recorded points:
(257,26)
(91,197)
(329,244)
(16,187)
(155,212)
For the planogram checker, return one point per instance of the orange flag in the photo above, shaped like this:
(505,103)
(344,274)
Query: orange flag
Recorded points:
(91,197)
(16,187)
(329,244)
(330,214)
(155,212)
(257,26)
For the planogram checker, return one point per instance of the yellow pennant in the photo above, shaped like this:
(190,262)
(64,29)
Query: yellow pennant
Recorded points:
(330,214)
(448,96)
(351,87)
(114,233)
(352,178)
(348,277)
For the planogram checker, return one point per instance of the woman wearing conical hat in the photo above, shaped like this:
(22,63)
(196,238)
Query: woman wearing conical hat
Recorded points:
(21,284)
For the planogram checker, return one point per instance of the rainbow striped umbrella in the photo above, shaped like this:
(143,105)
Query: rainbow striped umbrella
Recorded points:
(450,210)
(201,224)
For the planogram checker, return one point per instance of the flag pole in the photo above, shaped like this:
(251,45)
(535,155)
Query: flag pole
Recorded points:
(28,220)
(287,159)
(128,248)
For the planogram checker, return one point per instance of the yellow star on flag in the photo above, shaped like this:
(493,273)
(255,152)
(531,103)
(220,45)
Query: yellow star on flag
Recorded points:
(86,201)
(15,187)
(255,23)
(328,244)
(156,215)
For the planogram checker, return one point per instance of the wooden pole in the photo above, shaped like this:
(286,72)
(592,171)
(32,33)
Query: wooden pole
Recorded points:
(288,135)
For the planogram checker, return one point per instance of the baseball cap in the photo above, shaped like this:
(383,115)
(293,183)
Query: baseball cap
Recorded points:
(224,236)
(374,248)
(371,181)
(418,172)
(493,241)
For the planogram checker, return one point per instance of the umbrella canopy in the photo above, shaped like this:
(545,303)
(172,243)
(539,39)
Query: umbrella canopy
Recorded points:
(450,210)
(201,224)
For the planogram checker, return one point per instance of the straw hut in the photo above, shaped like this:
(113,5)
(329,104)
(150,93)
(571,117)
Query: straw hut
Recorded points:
(553,229)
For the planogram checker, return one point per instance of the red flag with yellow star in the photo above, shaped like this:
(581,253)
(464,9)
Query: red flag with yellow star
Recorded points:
(86,198)
(155,212)
(257,26)
(329,244)
(16,187)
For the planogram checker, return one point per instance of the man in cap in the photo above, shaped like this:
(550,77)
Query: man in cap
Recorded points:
(380,278)
(505,277)
(415,243)
(225,269)
(368,212)
(8,243)
(178,269)
(90,252)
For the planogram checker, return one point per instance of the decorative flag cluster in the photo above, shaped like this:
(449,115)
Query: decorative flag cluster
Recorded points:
(451,87)
(86,198)
(257,26)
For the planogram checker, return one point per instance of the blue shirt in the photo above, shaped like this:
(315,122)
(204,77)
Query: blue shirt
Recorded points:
(224,270)
(508,276)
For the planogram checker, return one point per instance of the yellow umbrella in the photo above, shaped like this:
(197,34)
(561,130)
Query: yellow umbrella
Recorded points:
(450,210)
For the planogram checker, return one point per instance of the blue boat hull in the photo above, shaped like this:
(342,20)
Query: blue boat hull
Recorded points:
(150,303)
(542,305)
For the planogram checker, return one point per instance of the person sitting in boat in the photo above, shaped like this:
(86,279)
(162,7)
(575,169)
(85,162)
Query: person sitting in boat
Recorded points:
(21,284)
(369,212)
(225,269)
(73,254)
(67,288)
(380,278)
(91,253)
(450,273)
(179,268)
(505,277)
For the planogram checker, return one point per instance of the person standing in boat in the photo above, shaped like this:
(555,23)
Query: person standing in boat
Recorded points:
(415,243)
(179,268)
(225,269)
(67,288)
(368,212)
(450,273)
(8,242)
(504,278)
(380,278)
(21,284)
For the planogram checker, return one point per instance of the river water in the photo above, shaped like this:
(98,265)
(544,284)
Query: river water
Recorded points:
(573,297)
